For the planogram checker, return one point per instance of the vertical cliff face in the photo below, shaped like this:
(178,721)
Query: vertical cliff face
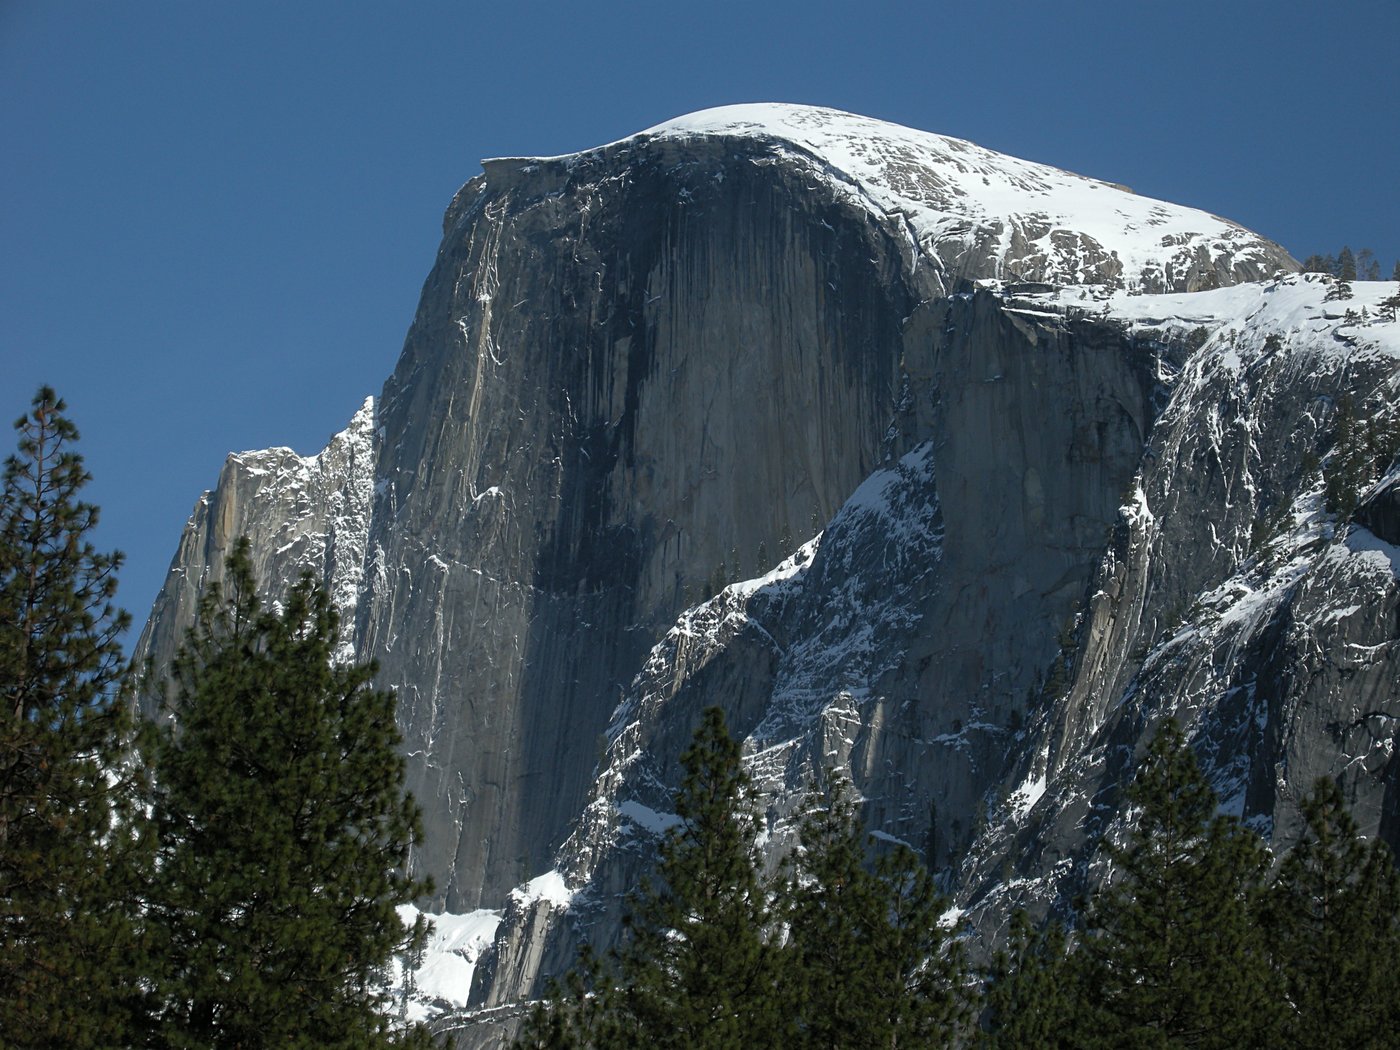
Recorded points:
(945,466)
(907,643)
(900,644)
(627,384)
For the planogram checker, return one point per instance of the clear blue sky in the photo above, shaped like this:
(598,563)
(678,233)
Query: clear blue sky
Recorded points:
(215,217)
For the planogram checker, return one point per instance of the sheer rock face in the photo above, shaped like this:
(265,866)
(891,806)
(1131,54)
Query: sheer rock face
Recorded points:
(633,375)
(986,534)
(624,385)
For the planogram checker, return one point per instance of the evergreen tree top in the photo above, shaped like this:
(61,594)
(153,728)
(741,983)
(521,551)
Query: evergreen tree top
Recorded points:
(53,583)
(69,851)
(284,829)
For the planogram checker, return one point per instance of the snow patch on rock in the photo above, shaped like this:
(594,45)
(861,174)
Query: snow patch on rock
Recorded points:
(442,979)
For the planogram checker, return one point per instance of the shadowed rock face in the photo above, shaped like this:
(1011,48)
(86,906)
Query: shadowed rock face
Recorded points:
(622,388)
(645,372)
(900,643)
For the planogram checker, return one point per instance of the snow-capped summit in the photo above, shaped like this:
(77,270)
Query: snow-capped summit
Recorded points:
(974,213)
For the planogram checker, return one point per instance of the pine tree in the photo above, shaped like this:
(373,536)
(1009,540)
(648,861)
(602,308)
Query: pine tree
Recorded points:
(786,545)
(1170,952)
(1332,921)
(828,899)
(867,963)
(1388,307)
(1352,461)
(1032,991)
(1346,265)
(69,854)
(697,969)
(284,830)
(1395,273)
(1368,268)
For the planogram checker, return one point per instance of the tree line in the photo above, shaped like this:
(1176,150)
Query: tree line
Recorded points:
(1347,265)
(1198,940)
(226,876)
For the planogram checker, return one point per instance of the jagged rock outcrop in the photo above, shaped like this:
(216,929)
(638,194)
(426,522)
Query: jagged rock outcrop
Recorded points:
(1031,482)
(301,513)
(1381,511)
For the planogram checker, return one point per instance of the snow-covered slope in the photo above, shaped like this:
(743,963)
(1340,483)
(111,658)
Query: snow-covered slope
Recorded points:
(971,212)
(441,979)
(1310,311)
